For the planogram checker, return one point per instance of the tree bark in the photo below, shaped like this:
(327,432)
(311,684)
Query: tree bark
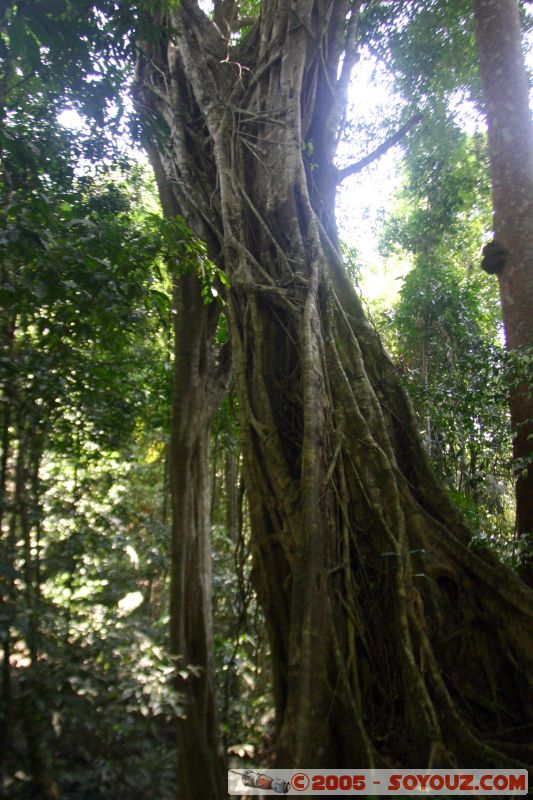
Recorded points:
(506,94)
(381,619)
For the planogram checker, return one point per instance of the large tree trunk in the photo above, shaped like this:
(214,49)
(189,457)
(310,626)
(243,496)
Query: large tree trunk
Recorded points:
(392,642)
(506,93)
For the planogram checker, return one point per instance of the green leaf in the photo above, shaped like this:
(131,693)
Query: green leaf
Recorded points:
(223,278)
(23,44)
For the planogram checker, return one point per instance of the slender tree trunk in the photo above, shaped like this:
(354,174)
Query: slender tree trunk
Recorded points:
(165,485)
(200,759)
(6,691)
(18,493)
(231,490)
(200,378)
(506,93)
(34,721)
(381,619)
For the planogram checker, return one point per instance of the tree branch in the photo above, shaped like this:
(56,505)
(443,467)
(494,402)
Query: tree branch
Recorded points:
(352,169)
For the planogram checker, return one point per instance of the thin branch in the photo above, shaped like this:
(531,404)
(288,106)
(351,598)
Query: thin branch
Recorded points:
(352,169)
(351,53)
(351,56)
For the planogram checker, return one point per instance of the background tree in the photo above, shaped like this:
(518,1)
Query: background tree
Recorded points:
(444,330)
(83,357)
(510,138)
